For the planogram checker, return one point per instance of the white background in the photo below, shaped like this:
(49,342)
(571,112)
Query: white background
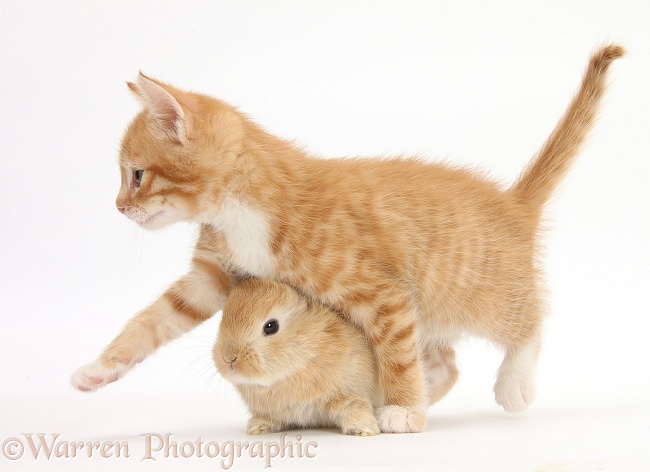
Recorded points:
(477,83)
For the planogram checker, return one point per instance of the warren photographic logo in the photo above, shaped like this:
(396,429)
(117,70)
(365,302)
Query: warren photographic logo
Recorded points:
(156,448)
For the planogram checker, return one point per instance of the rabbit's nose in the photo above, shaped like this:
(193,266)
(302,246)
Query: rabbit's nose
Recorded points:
(231,361)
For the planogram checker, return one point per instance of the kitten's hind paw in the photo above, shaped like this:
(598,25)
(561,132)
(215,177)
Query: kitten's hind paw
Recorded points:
(514,395)
(398,419)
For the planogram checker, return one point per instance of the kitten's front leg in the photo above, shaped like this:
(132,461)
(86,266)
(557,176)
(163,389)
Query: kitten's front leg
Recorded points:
(390,323)
(187,303)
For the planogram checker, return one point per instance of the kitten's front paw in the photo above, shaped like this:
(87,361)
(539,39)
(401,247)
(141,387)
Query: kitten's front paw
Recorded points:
(90,377)
(397,419)
(258,425)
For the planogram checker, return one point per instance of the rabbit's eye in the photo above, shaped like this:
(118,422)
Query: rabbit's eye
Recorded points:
(271,327)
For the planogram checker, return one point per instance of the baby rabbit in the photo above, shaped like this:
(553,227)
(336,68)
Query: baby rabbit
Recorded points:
(295,362)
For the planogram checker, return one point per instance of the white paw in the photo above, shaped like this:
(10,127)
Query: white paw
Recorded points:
(90,377)
(514,395)
(397,419)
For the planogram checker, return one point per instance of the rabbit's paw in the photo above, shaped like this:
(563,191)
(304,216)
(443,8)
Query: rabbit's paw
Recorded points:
(258,425)
(365,427)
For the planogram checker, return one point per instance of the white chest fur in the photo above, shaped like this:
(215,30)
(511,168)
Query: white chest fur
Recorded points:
(248,237)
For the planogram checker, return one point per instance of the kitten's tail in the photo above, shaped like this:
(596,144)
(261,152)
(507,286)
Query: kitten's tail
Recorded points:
(545,171)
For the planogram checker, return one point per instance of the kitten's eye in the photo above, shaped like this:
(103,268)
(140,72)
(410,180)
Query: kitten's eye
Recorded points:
(137,177)
(271,327)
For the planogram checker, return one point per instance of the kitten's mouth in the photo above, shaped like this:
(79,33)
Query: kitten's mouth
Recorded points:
(151,219)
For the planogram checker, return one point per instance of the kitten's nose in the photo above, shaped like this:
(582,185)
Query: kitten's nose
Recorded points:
(121,209)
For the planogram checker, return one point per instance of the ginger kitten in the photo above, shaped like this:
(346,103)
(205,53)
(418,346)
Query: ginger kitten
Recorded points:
(412,252)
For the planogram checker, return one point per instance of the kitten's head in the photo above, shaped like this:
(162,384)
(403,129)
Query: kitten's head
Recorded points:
(178,155)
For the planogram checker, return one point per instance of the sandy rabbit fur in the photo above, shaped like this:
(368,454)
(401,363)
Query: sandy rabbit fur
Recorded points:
(315,369)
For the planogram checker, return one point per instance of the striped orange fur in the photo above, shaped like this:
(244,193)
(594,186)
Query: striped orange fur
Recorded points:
(414,253)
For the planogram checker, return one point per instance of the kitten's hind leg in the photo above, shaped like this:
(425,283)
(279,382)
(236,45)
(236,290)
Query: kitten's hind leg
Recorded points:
(515,386)
(440,372)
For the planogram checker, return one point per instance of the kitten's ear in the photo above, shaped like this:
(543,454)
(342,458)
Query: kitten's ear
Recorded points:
(137,93)
(169,114)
